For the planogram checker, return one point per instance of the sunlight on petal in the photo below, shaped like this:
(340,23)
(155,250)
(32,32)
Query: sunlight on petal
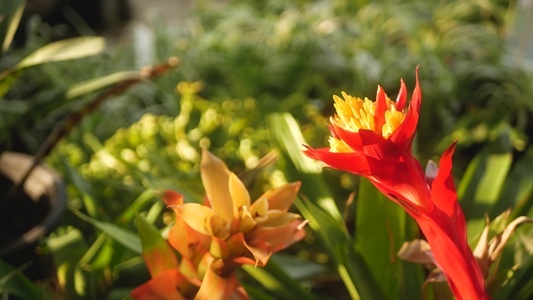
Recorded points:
(215,176)
(282,197)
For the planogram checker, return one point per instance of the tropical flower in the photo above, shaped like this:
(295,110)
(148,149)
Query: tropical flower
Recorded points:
(216,238)
(193,276)
(374,139)
(241,231)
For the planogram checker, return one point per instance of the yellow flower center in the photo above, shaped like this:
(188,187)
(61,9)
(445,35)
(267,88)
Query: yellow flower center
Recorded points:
(354,114)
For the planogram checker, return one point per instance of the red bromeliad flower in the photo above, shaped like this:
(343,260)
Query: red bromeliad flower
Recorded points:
(374,139)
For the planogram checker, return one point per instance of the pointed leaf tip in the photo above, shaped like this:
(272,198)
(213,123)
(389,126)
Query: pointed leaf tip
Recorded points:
(402,97)
(381,107)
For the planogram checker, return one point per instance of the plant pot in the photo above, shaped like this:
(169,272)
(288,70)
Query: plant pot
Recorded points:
(30,215)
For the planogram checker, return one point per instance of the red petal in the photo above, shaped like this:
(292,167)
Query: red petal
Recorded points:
(351,138)
(443,193)
(381,107)
(459,267)
(402,97)
(444,197)
(445,231)
(394,171)
(354,162)
(332,131)
(404,134)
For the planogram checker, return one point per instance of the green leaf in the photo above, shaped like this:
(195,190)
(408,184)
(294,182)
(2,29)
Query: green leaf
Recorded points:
(92,85)
(348,262)
(57,51)
(286,132)
(321,209)
(482,183)
(121,235)
(72,48)
(157,253)
(12,281)
(68,248)
(277,281)
(129,213)
(151,238)
(10,14)
(297,268)
(518,189)
(84,188)
(519,284)
(255,293)
(380,232)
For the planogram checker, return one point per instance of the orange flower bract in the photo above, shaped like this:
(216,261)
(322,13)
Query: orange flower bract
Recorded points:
(217,237)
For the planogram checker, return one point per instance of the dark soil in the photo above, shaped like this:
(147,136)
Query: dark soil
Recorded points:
(20,213)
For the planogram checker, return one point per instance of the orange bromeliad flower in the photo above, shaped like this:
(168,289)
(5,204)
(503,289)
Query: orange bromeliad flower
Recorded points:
(374,139)
(216,238)
(241,231)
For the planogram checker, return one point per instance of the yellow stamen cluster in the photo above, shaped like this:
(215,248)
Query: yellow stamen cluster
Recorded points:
(354,114)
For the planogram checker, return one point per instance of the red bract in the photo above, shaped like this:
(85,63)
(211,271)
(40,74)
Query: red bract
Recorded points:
(374,139)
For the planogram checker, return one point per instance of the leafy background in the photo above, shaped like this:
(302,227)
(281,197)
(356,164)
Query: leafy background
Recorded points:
(257,76)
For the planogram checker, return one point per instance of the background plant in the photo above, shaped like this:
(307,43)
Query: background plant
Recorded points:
(243,62)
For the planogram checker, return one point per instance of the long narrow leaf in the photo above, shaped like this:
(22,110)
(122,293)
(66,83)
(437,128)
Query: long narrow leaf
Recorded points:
(11,12)
(289,138)
(482,183)
(321,209)
(68,248)
(518,189)
(277,281)
(157,253)
(100,83)
(12,281)
(121,235)
(64,50)
(380,232)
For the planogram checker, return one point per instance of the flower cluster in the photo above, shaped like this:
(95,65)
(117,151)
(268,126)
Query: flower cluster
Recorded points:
(374,139)
(216,238)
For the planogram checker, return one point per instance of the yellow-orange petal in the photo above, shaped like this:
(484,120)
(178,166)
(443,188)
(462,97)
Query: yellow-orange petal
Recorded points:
(169,284)
(247,222)
(188,268)
(219,248)
(216,287)
(239,193)
(170,197)
(260,251)
(215,177)
(259,207)
(276,218)
(282,197)
(236,245)
(240,198)
(277,238)
(204,220)
(189,242)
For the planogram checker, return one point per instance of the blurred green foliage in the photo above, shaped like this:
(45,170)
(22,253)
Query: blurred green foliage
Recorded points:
(242,61)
